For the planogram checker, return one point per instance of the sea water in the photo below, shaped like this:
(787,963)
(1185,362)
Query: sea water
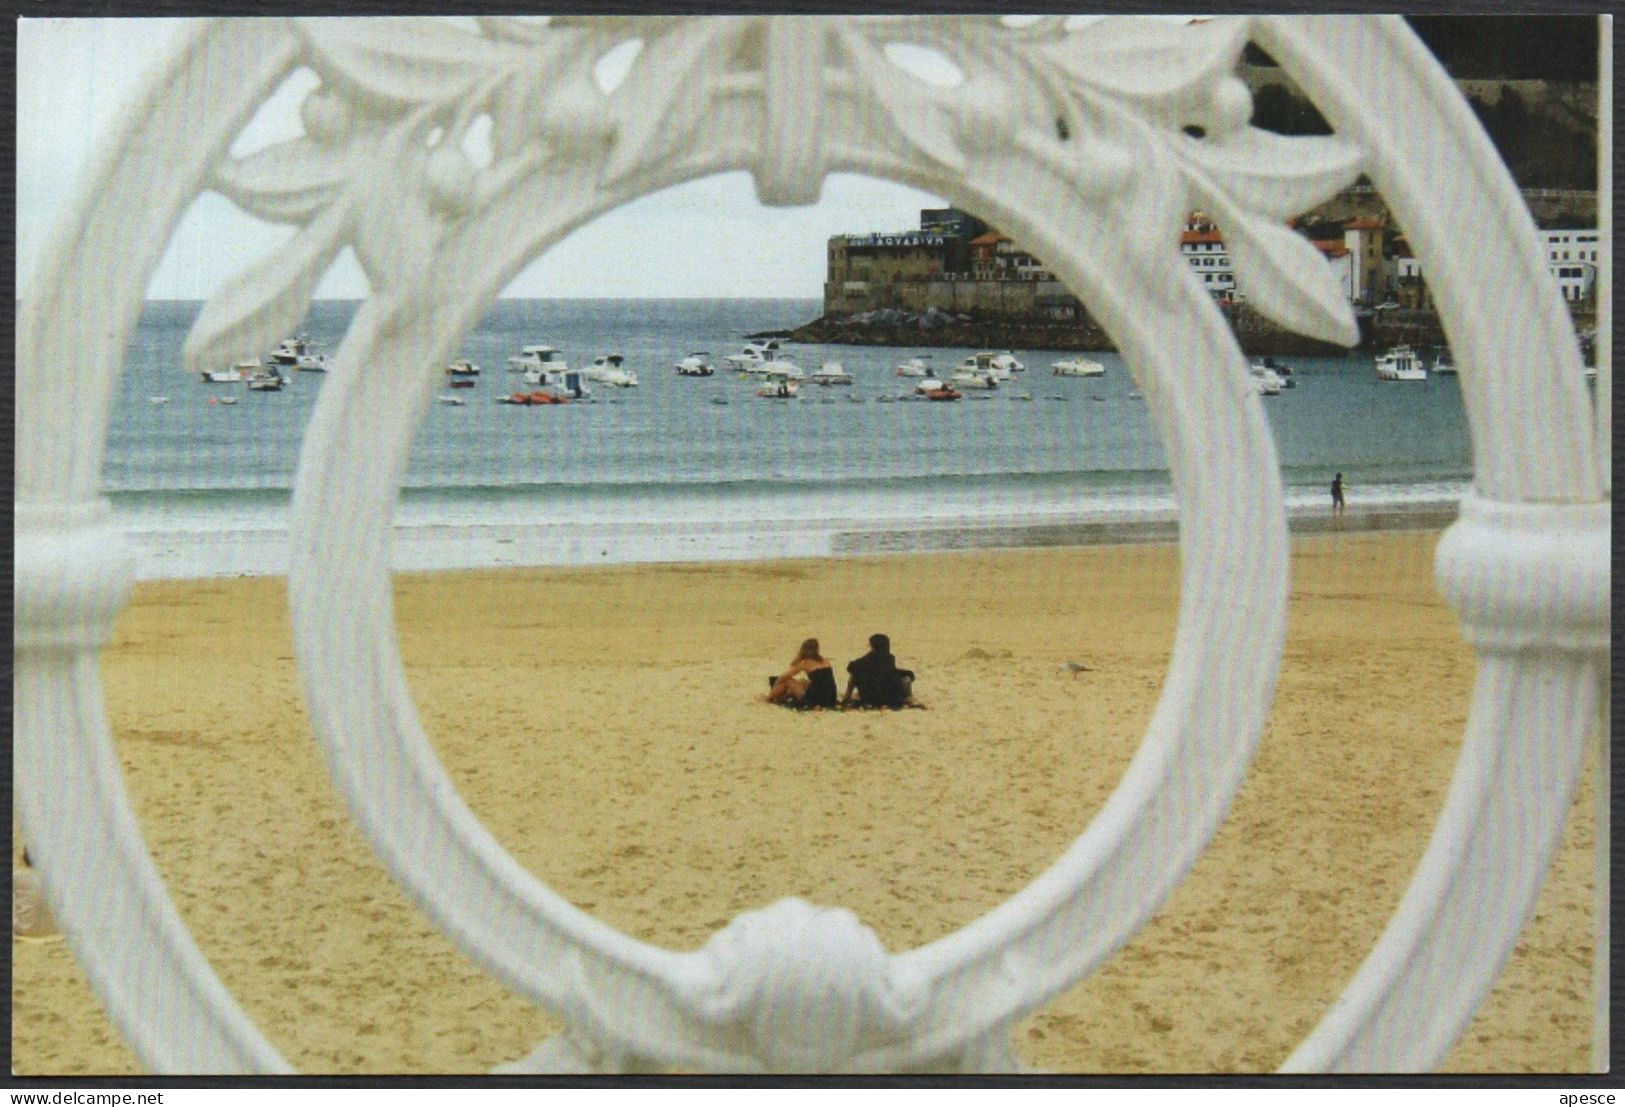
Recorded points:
(700,468)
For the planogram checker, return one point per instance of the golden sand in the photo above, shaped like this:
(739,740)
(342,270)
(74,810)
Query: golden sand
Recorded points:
(602,724)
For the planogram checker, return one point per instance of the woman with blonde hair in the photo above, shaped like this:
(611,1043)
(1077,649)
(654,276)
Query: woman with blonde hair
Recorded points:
(808,682)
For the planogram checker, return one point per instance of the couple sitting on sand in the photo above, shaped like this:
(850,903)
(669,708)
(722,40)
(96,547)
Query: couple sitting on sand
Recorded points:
(873,680)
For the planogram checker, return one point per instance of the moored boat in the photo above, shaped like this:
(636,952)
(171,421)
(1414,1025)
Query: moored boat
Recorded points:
(267,378)
(778,385)
(462,369)
(697,364)
(237,374)
(298,353)
(1401,364)
(611,369)
(1281,370)
(929,388)
(1265,381)
(533,399)
(755,357)
(538,360)
(916,366)
(1077,367)
(1444,364)
(831,372)
(987,363)
(981,381)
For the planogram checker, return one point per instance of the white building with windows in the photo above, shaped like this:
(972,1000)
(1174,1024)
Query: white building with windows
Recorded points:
(1572,255)
(1570,245)
(1204,251)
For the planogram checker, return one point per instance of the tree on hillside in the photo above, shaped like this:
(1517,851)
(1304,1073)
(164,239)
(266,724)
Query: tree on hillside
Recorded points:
(1278,109)
(1540,150)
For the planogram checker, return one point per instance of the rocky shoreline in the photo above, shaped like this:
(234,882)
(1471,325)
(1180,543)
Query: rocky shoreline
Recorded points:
(1255,334)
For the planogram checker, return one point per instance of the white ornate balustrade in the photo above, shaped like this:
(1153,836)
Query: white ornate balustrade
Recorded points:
(1078,142)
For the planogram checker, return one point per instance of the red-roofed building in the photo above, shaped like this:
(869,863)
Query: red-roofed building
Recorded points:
(994,257)
(1202,247)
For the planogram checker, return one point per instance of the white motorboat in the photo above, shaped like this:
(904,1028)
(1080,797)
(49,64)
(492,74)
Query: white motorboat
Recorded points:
(1401,364)
(916,366)
(452,401)
(1265,382)
(611,369)
(267,378)
(779,365)
(539,360)
(237,374)
(462,369)
(543,365)
(570,383)
(1444,364)
(986,363)
(831,372)
(298,353)
(1078,367)
(754,358)
(226,400)
(978,380)
(697,364)
(778,385)
(157,401)
(1281,370)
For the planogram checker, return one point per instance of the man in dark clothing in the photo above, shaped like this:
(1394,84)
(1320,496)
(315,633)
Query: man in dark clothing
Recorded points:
(875,678)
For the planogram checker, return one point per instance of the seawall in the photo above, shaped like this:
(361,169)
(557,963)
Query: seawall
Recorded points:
(1255,334)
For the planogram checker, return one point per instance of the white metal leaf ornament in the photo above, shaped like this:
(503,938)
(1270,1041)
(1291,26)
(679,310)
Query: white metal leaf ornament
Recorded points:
(916,111)
(653,115)
(1102,106)
(1280,176)
(268,299)
(288,182)
(396,63)
(1285,276)
(1182,76)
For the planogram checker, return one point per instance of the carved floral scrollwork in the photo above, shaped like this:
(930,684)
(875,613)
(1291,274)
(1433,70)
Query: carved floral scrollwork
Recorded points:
(383,165)
(810,988)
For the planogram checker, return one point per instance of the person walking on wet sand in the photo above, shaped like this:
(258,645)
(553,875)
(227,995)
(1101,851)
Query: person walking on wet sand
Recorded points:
(1337,496)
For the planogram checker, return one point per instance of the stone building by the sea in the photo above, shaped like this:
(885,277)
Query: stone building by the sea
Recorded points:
(953,263)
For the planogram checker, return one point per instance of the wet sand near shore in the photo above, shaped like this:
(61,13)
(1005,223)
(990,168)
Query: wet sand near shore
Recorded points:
(602,724)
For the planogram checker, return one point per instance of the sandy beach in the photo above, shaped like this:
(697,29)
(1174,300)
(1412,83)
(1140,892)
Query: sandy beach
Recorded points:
(603,724)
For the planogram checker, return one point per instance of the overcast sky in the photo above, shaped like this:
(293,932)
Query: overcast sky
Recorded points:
(709,238)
